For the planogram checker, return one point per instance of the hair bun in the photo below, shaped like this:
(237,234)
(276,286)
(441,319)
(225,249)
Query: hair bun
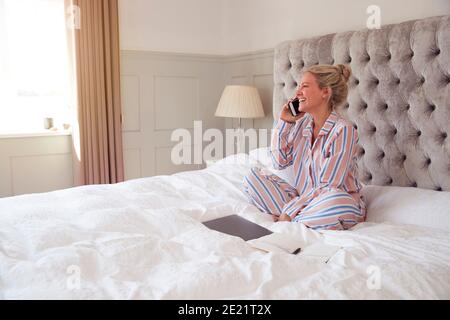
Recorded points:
(345,71)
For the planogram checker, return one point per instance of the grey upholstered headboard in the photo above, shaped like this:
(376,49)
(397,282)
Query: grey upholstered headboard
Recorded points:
(399,96)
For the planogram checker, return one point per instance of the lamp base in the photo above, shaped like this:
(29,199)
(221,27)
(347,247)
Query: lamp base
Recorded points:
(240,138)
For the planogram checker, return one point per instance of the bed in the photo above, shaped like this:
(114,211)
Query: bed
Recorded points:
(144,238)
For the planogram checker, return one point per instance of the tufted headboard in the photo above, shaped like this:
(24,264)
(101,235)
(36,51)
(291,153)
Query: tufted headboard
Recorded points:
(399,96)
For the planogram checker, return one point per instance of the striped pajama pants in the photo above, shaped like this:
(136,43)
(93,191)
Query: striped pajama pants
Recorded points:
(333,209)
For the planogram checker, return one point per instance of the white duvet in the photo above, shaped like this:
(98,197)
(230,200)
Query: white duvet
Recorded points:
(143,239)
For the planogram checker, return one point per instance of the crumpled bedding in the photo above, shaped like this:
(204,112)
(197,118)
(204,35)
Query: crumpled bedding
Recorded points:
(143,239)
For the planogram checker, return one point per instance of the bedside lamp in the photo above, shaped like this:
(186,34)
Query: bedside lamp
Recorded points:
(240,102)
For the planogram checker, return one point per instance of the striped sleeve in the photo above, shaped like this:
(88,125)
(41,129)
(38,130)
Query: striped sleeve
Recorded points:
(336,166)
(282,146)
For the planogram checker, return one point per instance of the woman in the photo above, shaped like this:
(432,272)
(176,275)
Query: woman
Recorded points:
(322,148)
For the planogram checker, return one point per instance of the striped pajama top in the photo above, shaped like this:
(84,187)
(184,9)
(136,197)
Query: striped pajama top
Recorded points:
(329,163)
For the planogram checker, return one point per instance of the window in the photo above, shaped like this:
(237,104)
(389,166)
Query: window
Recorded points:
(34,77)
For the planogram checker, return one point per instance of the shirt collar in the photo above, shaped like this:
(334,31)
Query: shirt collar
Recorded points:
(326,128)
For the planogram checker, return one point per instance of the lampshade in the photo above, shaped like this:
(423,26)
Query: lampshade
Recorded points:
(240,102)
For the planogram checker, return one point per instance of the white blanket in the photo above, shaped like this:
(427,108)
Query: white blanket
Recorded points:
(143,239)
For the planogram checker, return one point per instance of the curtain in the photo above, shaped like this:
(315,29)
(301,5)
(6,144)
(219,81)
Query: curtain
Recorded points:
(97,129)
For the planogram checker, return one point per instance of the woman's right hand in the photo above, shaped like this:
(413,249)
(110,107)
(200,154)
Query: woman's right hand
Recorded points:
(286,114)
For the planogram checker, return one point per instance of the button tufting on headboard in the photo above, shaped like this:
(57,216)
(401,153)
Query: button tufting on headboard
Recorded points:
(399,96)
(394,132)
(447,78)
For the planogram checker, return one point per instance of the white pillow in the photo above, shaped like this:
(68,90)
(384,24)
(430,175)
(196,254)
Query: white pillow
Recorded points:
(262,155)
(408,205)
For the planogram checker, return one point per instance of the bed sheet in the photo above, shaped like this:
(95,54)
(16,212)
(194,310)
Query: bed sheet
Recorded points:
(143,239)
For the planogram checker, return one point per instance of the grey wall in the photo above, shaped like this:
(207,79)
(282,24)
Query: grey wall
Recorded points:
(162,92)
(35,164)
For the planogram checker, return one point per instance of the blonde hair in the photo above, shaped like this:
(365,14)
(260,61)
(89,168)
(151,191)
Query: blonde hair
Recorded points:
(335,77)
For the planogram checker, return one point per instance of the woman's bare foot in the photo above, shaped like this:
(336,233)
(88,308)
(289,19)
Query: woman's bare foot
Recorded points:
(284,217)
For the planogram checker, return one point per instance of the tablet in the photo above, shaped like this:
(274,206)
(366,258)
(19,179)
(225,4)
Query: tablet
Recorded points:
(237,226)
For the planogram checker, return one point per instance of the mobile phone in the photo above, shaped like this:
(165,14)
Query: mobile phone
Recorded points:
(294,106)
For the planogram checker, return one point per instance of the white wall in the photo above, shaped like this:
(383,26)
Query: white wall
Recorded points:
(185,26)
(236,26)
(259,24)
